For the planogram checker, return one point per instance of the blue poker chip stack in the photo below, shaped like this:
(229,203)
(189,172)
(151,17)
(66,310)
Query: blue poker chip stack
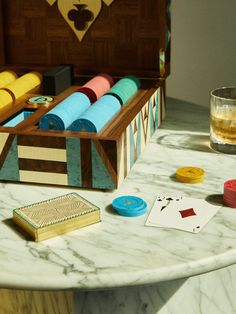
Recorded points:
(97,115)
(129,206)
(67,111)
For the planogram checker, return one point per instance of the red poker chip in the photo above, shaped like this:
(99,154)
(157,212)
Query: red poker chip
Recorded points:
(229,203)
(229,197)
(89,93)
(230,185)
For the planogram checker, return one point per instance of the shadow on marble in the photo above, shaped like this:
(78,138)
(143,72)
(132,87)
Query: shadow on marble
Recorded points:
(16,229)
(215,199)
(173,178)
(186,141)
(148,299)
(185,119)
(110,210)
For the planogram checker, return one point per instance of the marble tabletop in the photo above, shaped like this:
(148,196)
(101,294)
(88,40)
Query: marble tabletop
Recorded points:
(121,251)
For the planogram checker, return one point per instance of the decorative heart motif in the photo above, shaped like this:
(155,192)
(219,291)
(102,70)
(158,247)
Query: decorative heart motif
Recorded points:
(80,15)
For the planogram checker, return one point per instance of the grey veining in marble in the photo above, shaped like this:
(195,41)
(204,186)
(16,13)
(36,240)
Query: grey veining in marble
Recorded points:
(121,251)
(211,293)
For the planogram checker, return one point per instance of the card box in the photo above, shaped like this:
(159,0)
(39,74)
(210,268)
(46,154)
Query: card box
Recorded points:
(56,216)
(122,37)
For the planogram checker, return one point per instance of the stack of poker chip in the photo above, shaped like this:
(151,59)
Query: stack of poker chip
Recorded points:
(97,115)
(105,108)
(190,174)
(97,86)
(16,88)
(125,88)
(129,206)
(62,116)
(24,84)
(6,77)
(229,196)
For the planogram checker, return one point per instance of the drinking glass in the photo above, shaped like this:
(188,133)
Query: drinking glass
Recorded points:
(223,120)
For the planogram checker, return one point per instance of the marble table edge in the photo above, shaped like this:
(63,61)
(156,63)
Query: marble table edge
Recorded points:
(117,280)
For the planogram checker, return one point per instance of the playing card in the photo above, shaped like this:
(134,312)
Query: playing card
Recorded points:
(184,213)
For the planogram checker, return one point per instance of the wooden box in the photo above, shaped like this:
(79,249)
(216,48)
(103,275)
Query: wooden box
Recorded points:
(122,37)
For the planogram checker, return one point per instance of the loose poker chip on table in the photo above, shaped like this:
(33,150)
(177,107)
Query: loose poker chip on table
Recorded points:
(190,174)
(129,206)
(229,196)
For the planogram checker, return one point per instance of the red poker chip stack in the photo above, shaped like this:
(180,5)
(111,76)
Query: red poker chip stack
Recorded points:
(229,197)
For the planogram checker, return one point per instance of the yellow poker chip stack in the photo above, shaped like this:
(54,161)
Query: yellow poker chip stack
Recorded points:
(5,101)
(7,77)
(17,88)
(190,174)
(24,84)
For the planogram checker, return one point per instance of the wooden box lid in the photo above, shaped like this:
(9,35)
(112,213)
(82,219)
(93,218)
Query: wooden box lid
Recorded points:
(117,36)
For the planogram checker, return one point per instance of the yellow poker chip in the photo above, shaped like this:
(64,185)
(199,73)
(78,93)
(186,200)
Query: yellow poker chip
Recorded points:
(190,174)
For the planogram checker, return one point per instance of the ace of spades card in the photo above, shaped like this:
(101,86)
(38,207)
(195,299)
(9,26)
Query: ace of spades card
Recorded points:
(183,213)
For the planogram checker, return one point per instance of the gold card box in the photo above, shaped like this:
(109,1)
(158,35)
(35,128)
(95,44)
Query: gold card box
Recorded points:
(56,216)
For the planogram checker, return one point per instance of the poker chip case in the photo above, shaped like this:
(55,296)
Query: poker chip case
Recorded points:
(119,37)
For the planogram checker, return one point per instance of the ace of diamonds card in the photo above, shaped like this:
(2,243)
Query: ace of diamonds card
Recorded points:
(183,213)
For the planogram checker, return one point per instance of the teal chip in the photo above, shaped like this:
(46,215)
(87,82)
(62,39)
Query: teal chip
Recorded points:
(41,100)
(125,88)
(129,206)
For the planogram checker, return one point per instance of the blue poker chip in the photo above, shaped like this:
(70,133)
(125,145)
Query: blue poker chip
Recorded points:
(132,213)
(129,206)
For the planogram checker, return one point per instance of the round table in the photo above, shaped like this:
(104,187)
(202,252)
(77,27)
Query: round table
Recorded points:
(121,252)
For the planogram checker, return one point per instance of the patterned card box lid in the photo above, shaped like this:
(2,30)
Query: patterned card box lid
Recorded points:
(55,210)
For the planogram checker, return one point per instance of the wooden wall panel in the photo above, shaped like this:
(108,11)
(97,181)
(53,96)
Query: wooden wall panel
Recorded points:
(125,37)
(2,45)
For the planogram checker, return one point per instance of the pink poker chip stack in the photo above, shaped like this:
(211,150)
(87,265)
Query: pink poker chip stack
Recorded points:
(97,86)
(229,197)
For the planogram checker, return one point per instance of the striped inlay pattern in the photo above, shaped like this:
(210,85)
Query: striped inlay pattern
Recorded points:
(42,159)
(67,161)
